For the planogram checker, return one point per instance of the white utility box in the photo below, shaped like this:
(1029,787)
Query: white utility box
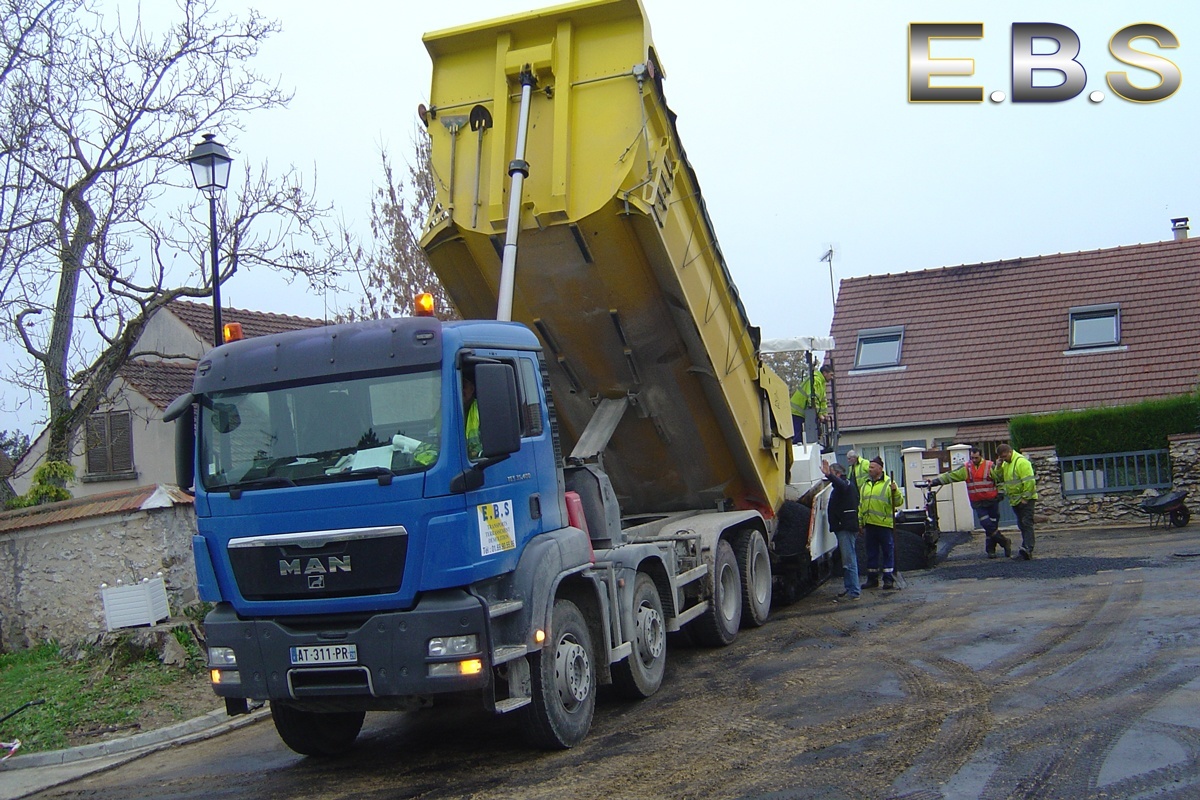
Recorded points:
(136,604)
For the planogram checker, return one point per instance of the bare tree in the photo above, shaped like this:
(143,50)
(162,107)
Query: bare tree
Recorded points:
(790,365)
(394,270)
(97,115)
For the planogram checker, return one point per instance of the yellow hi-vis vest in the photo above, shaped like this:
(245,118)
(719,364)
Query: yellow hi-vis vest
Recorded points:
(802,398)
(1016,476)
(878,501)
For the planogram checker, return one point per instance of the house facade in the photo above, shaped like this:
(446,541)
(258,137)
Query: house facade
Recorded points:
(126,444)
(950,355)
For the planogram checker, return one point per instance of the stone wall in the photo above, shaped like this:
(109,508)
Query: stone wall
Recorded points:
(50,576)
(1115,507)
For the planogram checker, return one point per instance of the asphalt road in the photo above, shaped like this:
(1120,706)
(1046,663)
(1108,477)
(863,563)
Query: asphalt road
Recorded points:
(1074,675)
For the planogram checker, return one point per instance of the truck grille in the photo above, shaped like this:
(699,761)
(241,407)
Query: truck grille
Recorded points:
(322,564)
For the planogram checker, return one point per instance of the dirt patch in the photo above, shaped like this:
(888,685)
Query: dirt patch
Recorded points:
(183,693)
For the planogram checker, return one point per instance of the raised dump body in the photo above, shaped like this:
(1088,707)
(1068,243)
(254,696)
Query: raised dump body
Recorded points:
(618,268)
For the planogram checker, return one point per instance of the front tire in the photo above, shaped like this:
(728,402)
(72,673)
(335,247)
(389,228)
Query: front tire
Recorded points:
(564,682)
(641,673)
(1180,517)
(311,733)
(718,626)
(754,563)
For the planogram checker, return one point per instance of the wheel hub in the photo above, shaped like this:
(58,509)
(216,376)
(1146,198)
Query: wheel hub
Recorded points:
(651,633)
(572,672)
(729,592)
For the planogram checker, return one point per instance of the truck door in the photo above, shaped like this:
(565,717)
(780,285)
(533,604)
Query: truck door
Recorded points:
(506,509)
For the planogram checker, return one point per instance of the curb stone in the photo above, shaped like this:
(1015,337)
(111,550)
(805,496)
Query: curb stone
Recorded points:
(28,773)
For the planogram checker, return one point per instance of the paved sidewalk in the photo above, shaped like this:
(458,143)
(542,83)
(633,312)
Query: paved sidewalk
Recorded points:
(29,773)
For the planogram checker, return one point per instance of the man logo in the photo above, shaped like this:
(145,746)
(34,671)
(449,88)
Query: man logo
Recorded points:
(314,566)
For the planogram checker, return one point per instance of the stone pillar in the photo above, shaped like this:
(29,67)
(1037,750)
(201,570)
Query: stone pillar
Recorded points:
(1049,508)
(1184,449)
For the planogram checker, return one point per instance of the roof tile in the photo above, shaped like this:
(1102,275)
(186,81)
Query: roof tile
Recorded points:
(990,341)
(97,505)
(198,317)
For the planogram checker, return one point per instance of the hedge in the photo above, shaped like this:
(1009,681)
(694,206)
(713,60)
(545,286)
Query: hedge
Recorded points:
(1096,431)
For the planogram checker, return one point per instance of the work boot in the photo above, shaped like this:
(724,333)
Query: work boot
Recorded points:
(872,582)
(991,553)
(1024,554)
(888,583)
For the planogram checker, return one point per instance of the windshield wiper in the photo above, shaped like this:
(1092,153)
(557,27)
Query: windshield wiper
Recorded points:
(236,488)
(384,474)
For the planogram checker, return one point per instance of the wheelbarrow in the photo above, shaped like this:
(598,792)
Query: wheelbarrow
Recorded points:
(1167,509)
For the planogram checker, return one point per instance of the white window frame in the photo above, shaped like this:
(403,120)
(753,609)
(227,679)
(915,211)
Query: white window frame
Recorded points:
(894,333)
(1083,313)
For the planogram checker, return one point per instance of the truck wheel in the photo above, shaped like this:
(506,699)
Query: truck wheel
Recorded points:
(1180,516)
(754,563)
(564,682)
(718,626)
(312,733)
(641,674)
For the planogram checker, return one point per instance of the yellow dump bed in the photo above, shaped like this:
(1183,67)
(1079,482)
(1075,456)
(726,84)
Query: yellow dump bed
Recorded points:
(618,269)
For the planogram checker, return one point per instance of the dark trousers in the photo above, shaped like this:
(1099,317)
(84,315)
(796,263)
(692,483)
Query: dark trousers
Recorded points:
(881,553)
(989,519)
(1024,513)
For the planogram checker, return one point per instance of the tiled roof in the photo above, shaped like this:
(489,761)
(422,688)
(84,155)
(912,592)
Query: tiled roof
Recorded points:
(199,317)
(97,505)
(160,382)
(985,342)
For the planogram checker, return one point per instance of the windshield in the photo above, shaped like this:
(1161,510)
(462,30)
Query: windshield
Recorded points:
(318,433)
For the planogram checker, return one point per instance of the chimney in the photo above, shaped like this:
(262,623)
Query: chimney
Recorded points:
(1179,227)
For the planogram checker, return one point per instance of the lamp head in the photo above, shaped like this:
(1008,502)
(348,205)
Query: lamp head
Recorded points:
(210,165)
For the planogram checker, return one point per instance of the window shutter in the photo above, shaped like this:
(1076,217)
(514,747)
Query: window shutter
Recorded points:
(120,437)
(97,445)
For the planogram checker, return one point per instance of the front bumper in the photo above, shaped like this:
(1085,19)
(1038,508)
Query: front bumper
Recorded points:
(392,661)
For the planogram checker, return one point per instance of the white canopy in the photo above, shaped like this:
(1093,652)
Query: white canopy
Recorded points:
(796,343)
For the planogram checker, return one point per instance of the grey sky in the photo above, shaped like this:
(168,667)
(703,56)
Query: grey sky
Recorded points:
(795,117)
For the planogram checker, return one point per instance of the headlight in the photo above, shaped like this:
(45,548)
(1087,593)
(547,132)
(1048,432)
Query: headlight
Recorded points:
(453,645)
(222,657)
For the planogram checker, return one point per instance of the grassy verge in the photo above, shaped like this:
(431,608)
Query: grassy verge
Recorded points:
(91,694)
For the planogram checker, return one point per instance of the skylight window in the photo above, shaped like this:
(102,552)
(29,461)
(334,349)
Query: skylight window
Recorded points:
(1095,326)
(878,347)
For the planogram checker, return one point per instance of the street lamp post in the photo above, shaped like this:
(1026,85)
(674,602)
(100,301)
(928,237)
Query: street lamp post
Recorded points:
(210,169)
(833,420)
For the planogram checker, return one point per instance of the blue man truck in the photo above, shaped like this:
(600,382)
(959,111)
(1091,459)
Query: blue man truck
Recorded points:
(520,507)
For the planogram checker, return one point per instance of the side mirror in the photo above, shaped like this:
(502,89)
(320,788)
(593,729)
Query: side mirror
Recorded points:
(183,413)
(499,411)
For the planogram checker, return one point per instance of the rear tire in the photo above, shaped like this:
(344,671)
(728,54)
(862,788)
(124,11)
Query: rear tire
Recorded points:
(312,733)
(754,563)
(640,674)
(718,626)
(564,682)
(1180,516)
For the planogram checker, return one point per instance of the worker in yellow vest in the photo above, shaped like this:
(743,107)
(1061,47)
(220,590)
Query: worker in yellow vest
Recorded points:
(1014,474)
(810,394)
(878,499)
(857,469)
(984,498)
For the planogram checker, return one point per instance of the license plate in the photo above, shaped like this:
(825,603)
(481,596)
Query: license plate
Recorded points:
(325,654)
